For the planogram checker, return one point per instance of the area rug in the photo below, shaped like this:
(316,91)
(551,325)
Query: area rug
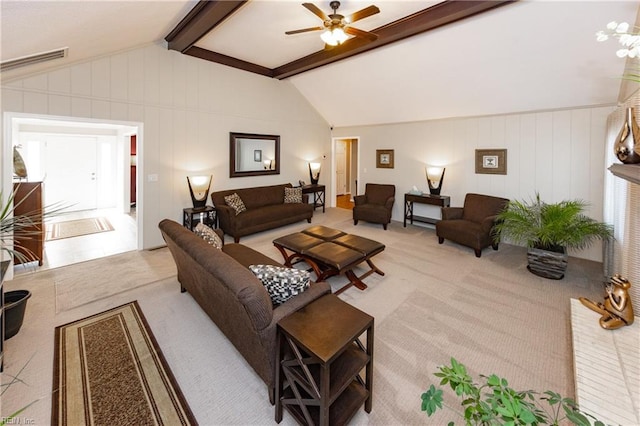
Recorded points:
(77,228)
(108,370)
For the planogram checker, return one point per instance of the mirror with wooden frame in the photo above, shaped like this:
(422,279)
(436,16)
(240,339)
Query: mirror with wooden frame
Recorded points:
(253,155)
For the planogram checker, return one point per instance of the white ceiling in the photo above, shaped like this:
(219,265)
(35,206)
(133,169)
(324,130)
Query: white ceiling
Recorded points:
(526,56)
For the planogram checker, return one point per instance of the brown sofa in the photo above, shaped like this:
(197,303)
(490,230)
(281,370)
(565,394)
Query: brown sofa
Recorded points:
(232,296)
(266,209)
(472,224)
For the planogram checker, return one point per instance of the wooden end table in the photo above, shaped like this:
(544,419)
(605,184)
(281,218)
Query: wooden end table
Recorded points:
(318,192)
(191,216)
(435,200)
(320,356)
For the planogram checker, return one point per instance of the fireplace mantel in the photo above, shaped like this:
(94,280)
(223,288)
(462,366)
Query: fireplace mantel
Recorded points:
(630,172)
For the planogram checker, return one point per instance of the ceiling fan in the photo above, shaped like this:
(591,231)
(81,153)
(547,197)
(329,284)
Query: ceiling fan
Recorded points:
(337,27)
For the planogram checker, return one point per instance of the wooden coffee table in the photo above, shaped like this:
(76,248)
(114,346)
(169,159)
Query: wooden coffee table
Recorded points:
(320,357)
(330,252)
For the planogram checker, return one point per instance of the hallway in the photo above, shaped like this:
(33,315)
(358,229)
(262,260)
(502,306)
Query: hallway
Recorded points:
(68,251)
(343,201)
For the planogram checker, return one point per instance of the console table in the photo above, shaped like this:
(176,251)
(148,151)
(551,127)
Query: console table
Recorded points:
(435,200)
(318,192)
(192,216)
(320,356)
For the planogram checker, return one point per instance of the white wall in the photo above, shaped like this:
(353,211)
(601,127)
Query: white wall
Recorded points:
(188,107)
(559,154)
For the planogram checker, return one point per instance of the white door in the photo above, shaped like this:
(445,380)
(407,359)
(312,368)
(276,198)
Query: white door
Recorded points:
(70,164)
(341,167)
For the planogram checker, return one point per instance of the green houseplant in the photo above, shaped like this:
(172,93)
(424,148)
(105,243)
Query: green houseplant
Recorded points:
(495,403)
(548,230)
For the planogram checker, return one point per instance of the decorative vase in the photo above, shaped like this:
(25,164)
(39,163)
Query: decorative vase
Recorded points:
(15,304)
(547,264)
(627,144)
(19,169)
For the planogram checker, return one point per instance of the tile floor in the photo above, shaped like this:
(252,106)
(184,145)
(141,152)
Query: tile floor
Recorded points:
(86,247)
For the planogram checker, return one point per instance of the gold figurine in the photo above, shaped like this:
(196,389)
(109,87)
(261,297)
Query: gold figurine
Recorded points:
(617,310)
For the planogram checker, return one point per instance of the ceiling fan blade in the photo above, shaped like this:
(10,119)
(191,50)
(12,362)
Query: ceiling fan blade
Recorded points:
(316,11)
(361,14)
(360,33)
(304,30)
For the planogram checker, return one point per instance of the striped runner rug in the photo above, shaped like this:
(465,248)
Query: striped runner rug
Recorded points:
(108,370)
(77,228)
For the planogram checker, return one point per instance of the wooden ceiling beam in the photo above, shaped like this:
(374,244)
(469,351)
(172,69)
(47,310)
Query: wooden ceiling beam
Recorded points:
(219,58)
(433,17)
(204,17)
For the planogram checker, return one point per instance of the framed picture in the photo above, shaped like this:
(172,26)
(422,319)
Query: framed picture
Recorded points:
(257,155)
(491,161)
(384,158)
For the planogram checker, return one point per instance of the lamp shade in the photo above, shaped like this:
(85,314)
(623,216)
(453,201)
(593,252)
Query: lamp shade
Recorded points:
(199,189)
(435,177)
(314,173)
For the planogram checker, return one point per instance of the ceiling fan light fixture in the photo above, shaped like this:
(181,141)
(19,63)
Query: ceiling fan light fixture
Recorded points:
(334,37)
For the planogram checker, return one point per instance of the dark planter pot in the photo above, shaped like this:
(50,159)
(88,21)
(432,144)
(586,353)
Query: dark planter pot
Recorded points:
(547,264)
(15,303)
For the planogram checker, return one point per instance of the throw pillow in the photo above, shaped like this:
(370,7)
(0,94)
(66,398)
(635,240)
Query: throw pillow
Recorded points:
(281,283)
(235,202)
(209,235)
(292,195)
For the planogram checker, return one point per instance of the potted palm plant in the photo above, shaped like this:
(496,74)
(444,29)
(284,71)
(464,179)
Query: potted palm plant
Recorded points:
(548,230)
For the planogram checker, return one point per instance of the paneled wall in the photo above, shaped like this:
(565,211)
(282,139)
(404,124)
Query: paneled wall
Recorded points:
(187,107)
(559,154)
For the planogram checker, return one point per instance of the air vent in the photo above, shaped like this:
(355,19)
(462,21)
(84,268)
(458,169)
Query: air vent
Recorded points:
(33,59)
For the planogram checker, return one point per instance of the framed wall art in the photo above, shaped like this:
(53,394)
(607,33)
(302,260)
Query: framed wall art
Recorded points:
(384,158)
(491,161)
(257,155)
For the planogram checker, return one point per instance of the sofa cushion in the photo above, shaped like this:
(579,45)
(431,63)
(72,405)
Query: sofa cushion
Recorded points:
(270,214)
(235,202)
(262,196)
(247,256)
(292,195)
(281,283)
(209,235)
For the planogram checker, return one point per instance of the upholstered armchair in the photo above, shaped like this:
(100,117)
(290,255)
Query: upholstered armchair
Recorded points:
(472,224)
(375,205)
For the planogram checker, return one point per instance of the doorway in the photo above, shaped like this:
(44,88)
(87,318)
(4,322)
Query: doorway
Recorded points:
(346,171)
(85,164)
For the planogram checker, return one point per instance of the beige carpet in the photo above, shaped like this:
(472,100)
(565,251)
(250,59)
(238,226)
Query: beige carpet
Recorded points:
(86,282)
(108,370)
(77,228)
(435,301)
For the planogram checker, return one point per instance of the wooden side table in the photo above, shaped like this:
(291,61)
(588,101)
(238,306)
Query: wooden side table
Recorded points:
(436,200)
(318,192)
(192,216)
(320,357)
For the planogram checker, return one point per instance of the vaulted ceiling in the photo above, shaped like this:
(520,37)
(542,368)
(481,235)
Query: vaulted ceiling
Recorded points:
(521,56)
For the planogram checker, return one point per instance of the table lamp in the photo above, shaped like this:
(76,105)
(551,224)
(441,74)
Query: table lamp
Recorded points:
(435,177)
(199,189)
(314,173)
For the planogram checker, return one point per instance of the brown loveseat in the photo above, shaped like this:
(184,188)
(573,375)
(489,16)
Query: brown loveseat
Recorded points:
(266,209)
(471,225)
(232,296)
